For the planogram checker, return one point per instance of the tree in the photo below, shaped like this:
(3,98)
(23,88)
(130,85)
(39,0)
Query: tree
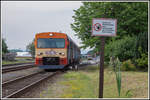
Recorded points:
(124,48)
(132,29)
(132,18)
(4,46)
(31,48)
(15,50)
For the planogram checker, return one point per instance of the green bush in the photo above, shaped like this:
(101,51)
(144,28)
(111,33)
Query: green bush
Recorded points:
(142,62)
(124,48)
(142,44)
(4,46)
(128,66)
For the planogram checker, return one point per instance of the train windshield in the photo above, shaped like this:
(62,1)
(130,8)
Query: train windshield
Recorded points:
(50,43)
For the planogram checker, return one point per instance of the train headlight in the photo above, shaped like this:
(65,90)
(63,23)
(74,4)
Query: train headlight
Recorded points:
(40,53)
(50,34)
(62,53)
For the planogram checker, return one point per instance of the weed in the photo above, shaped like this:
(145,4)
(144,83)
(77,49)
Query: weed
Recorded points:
(129,93)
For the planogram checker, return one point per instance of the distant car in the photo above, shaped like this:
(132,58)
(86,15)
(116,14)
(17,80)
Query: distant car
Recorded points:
(97,59)
(92,62)
(90,58)
(84,62)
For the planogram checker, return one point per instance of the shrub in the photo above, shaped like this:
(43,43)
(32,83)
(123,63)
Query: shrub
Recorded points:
(9,56)
(142,62)
(142,44)
(4,46)
(124,48)
(128,66)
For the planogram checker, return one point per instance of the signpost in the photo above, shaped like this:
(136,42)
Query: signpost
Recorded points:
(103,27)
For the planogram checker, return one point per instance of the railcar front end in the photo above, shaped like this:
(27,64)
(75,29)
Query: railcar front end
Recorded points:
(51,50)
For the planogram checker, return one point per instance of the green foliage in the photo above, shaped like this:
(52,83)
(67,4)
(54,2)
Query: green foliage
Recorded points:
(124,48)
(132,29)
(128,66)
(130,48)
(129,93)
(15,50)
(132,18)
(141,57)
(143,62)
(118,75)
(116,64)
(142,44)
(31,48)
(4,46)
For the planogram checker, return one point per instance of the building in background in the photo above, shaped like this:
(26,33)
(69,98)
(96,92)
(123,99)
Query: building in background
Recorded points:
(23,54)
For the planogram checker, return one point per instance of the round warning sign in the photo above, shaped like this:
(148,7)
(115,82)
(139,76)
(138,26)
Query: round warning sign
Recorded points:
(97,27)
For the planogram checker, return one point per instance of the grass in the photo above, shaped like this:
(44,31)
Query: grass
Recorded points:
(14,62)
(27,58)
(84,84)
(79,86)
(18,60)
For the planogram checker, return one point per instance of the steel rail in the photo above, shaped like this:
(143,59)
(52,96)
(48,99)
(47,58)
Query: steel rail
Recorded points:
(16,67)
(30,86)
(19,78)
(5,65)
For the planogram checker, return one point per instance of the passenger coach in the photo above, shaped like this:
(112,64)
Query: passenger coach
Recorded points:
(55,51)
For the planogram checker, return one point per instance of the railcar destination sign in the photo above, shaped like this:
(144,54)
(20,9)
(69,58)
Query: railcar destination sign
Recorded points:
(104,27)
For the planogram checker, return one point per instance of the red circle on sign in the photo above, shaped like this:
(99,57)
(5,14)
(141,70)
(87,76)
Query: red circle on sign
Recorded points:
(97,27)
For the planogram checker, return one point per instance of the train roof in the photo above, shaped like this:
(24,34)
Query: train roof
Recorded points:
(42,33)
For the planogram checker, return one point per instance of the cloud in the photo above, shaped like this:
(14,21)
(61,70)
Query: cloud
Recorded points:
(43,6)
(21,20)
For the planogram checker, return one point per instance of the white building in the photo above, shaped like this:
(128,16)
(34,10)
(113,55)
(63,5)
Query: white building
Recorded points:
(23,54)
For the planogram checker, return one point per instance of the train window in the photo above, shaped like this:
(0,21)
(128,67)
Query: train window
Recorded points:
(50,43)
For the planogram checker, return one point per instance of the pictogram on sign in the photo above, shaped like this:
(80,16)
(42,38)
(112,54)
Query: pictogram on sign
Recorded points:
(97,27)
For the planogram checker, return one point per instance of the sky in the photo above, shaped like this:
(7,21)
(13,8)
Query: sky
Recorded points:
(21,20)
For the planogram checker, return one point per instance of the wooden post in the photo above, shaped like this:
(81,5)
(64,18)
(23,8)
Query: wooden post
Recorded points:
(101,71)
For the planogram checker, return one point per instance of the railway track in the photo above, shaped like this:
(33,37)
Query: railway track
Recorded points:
(17,64)
(10,68)
(16,87)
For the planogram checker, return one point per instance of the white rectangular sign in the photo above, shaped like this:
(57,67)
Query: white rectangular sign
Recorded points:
(104,27)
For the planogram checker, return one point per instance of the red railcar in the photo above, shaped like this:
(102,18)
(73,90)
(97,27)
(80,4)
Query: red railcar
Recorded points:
(55,51)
